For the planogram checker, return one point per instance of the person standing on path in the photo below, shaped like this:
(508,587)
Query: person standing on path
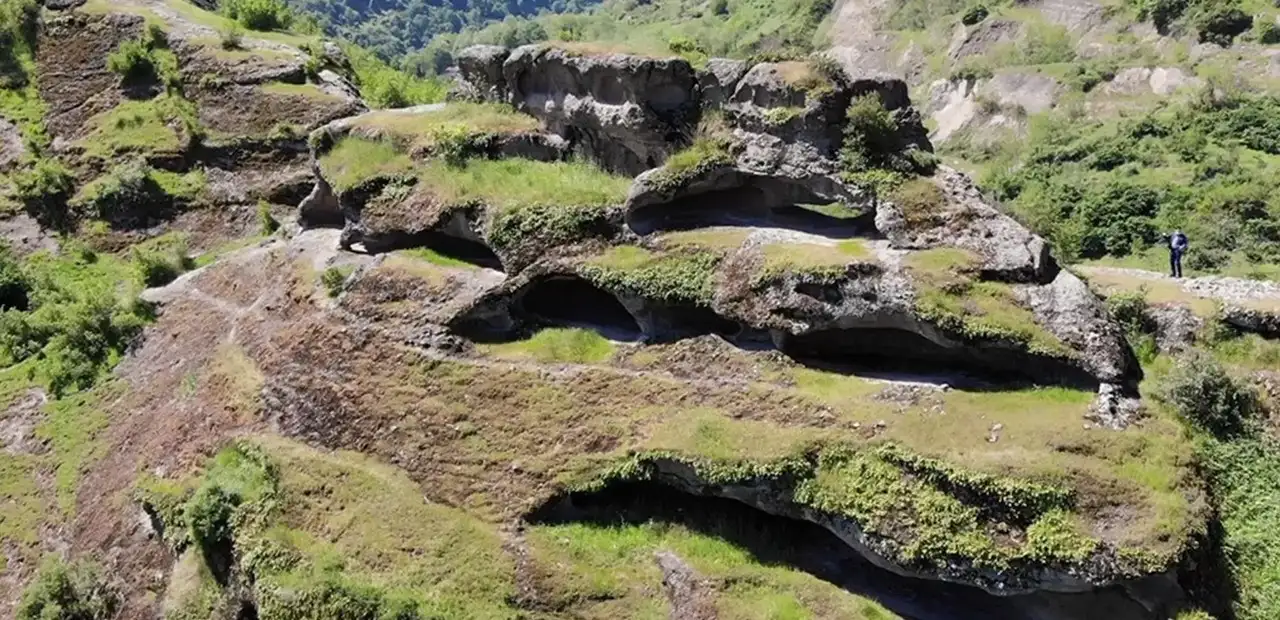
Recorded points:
(1177,247)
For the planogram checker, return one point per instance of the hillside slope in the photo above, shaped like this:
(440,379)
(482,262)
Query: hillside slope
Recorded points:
(604,335)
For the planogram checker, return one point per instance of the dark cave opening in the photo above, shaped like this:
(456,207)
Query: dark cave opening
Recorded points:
(810,548)
(574,302)
(898,351)
(673,323)
(758,202)
(450,246)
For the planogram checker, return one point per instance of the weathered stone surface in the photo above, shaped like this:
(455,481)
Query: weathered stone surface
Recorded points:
(1010,252)
(626,112)
(719,80)
(480,72)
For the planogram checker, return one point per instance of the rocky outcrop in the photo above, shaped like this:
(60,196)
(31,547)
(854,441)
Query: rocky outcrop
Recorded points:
(628,113)
(965,219)
(718,81)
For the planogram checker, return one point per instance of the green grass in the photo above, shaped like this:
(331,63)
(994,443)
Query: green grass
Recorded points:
(948,294)
(421,131)
(314,525)
(615,566)
(142,127)
(518,183)
(309,91)
(558,345)
(824,262)
(679,276)
(355,160)
(435,258)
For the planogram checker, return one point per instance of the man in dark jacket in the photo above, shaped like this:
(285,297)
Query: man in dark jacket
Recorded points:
(1177,247)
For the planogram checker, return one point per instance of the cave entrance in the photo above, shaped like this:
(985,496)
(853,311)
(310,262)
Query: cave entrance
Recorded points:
(903,354)
(574,302)
(756,202)
(810,548)
(465,250)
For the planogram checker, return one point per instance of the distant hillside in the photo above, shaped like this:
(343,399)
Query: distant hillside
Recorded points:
(394,28)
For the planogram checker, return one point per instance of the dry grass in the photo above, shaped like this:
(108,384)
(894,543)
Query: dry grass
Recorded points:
(237,378)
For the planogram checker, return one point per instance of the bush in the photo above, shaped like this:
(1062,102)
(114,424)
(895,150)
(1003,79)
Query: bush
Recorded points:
(232,36)
(132,61)
(333,279)
(1209,398)
(43,187)
(127,194)
(974,15)
(160,266)
(62,592)
(15,287)
(261,15)
(1221,25)
(870,133)
(266,221)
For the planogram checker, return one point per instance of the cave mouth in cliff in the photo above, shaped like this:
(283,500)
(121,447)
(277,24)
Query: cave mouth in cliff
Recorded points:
(567,301)
(465,250)
(807,547)
(671,323)
(906,354)
(757,202)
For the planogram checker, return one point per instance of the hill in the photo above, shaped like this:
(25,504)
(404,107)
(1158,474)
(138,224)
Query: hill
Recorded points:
(626,327)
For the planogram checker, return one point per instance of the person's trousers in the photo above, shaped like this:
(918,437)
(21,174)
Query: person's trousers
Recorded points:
(1175,263)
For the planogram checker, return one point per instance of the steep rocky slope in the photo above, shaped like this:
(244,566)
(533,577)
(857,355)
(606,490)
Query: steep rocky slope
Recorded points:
(602,336)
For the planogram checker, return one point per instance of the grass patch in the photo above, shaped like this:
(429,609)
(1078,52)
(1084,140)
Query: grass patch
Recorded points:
(342,533)
(422,131)
(614,565)
(824,262)
(1154,291)
(435,258)
(308,91)
(355,160)
(558,345)
(680,276)
(166,124)
(719,240)
(949,295)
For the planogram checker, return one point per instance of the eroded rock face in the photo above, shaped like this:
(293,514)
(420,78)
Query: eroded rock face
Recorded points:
(1010,252)
(718,81)
(625,112)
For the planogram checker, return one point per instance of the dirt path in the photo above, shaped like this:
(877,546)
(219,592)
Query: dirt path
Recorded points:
(1260,294)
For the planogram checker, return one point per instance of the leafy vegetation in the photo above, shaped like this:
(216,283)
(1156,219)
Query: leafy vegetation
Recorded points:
(147,60)
(873,154)
(334,279)
(68,592)
(682,275)
(340,552)
(1100,188)
(166,124)
(950,295)
(259,14)
(558,345)
(1202,392)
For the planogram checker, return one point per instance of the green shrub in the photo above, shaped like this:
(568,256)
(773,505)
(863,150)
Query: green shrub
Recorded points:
(162,265)
(15,286)
(974,15)
(267,222)
(231,37)
(1209,398)
(44,187)
(333,280)
(261,15)
(1221,25)
(240,488)
(384,86)
(327,596)
(127,194)
(62,592)
(872,142)
(1266,32)
(131,61)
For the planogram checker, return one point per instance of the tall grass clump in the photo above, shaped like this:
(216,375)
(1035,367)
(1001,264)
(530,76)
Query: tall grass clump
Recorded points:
(263,15)
(62,591)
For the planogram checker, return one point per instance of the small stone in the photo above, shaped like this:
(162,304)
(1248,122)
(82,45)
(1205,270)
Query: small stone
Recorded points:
(881,424)
(995,428)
